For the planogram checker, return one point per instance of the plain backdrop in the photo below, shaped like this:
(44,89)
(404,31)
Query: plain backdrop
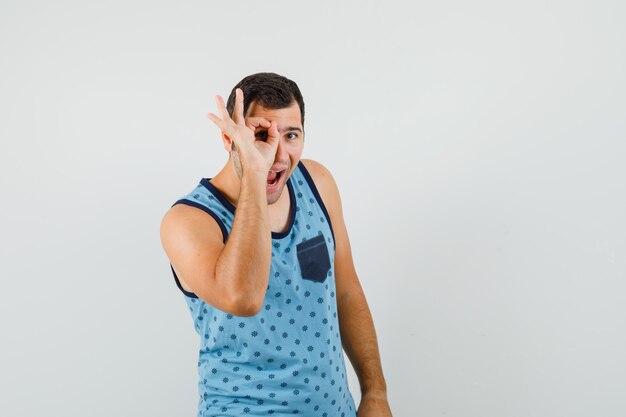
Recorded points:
(479,151)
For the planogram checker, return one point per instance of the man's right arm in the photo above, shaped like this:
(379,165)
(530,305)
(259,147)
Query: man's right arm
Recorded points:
(233,276)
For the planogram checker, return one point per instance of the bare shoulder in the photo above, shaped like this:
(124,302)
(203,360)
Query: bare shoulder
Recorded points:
(182,216)
(322,178)
(182,225)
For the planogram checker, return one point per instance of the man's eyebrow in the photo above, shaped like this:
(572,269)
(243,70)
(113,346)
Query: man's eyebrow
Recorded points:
(290,128)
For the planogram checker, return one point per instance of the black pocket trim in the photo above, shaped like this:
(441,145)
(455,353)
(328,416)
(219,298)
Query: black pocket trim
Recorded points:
(313,258)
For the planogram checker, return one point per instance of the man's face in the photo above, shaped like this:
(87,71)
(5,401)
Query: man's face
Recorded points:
(290,145)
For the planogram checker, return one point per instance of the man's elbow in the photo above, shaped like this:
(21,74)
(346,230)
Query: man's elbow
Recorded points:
(246,306)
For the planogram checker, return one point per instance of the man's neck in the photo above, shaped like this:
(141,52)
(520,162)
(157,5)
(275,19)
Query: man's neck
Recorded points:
(228,183)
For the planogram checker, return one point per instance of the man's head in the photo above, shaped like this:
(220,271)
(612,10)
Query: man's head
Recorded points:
(277,99)
(270,90)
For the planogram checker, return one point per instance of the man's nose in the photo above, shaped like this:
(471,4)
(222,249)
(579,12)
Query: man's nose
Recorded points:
(281,151)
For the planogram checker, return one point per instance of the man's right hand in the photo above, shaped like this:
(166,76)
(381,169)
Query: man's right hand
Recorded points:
(255,155)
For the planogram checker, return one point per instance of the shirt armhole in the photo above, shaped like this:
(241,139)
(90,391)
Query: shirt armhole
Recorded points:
(220,224)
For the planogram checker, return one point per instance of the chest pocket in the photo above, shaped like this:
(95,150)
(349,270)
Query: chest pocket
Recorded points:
(313,258)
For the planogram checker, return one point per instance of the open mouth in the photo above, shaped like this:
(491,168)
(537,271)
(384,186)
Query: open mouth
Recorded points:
(274,177)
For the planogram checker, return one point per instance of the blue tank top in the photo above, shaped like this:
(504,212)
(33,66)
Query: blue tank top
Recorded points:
(288,358)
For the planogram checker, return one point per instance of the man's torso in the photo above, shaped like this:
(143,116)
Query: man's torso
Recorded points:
(288,358)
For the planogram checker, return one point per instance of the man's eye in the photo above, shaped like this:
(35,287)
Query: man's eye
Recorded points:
(262,135)
(292,135)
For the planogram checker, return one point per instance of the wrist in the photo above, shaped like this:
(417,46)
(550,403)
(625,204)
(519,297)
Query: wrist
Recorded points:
(378,393)
(255,178)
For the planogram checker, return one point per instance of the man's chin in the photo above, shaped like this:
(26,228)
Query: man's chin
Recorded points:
(274,193)
(274,196)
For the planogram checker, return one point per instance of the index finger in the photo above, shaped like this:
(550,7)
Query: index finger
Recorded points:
(257,122)
(238,110)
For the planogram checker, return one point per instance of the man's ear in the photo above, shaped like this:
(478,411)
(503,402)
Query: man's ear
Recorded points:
(228,143)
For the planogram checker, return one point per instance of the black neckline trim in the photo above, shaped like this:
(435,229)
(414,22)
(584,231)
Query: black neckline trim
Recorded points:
(218,194)
(230,207)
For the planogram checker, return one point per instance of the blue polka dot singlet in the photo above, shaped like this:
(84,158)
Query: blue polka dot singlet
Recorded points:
(288,358)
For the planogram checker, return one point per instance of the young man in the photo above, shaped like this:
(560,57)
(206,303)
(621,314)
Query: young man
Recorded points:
(262,255)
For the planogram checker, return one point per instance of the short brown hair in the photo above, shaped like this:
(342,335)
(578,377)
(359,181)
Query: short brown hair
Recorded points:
(268,89)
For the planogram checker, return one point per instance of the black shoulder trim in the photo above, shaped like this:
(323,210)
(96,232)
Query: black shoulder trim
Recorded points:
(206,210)
(313,188)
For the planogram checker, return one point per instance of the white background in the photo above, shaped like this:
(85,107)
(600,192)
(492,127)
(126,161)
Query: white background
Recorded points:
(478,146)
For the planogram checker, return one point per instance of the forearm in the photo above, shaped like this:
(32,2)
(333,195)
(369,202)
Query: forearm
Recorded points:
(359,341)
(244,263)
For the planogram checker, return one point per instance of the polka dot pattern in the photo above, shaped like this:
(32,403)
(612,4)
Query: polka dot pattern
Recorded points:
(288,358)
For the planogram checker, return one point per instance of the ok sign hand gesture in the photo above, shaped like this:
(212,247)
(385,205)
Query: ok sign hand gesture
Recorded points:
(256,156)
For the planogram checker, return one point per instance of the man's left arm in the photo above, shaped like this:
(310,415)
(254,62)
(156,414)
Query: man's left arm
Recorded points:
(356,326)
